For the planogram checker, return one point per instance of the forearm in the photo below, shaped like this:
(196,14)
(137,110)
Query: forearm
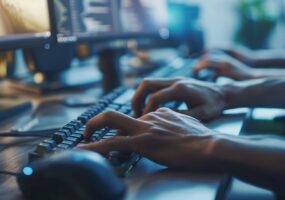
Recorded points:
(268,58)
(261,58)
(256,93)
(260,162)
(268,73)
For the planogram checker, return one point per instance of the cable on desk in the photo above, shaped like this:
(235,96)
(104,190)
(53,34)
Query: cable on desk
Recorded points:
(8,173)
(40,133)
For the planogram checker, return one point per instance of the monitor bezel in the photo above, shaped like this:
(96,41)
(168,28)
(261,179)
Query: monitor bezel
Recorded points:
(29,41)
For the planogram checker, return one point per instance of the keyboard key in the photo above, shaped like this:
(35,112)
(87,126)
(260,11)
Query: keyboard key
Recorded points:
(107,137)
(72,125)
(69,143)
(63,146)
(74,140)
(77,123)
(84,142)
(84,119)
(99,133)
(111,134)
(58,137)
(102,103)
(43,148)
(88,115)
(78,136)
(91,113)
(65,131)
(95,138)
(82,129)
(70,128)
(114,106)
(51,142)
(128,107)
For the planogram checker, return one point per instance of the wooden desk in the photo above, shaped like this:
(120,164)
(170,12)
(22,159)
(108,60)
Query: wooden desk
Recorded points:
(149,181)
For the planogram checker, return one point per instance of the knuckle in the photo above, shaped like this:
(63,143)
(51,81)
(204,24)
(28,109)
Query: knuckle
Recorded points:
(150,116)
(153,99)
(163,110)
(180,78)
(88,124)
(179,85)
(108,114)
(146,82)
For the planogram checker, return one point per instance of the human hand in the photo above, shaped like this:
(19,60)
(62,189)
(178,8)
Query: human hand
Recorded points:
(225,66)
(166,137)
(205,101)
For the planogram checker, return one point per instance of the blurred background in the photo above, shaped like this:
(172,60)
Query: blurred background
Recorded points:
(256,24)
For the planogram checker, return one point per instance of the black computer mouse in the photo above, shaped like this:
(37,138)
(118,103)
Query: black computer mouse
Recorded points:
(71,175)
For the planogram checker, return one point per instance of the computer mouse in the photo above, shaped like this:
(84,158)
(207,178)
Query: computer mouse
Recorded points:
(71,175)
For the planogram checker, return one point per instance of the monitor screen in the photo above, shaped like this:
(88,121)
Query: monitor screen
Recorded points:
(89,19)
(23,23)
(143,16)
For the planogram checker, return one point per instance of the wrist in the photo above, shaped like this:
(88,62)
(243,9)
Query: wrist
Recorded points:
(213,152)
(220,151)
(232,93)
(257,73)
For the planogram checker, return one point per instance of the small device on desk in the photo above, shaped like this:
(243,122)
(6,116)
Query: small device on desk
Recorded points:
(72,175)
(265,121)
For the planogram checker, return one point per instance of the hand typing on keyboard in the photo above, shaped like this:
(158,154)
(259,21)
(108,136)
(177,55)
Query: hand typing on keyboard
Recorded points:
(205,101)
(164,136)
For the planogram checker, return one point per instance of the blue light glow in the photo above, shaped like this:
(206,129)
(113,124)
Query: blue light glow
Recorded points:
(28,171)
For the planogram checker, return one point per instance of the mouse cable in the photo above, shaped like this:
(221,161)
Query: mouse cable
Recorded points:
(40,133)
(9,173)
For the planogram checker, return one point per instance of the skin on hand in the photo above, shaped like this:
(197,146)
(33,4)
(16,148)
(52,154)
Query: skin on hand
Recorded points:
(181,142)
(225,66)
(205,101)
(166,137)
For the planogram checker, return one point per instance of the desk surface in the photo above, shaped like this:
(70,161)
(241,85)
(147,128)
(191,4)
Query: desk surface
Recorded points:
(149,180)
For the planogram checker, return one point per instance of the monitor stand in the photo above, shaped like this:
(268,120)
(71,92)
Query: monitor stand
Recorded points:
(109,64)
(52,72)
(66,81)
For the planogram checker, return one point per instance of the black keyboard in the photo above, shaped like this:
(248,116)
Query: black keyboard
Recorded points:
(71,135)
(178,67)
(181,67)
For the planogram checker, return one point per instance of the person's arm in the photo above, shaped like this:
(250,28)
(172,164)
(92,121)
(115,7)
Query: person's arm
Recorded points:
(208,100)
(181,142)
(235,69)
(258,161)
(256,93)
(267,73)
(259,58)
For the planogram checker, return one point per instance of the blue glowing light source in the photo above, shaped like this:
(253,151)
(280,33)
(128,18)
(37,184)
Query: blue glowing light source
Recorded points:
(28,171)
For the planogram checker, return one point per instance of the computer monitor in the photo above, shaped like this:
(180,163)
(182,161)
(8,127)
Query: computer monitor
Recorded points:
(109,19)
(108,23)
(24,23)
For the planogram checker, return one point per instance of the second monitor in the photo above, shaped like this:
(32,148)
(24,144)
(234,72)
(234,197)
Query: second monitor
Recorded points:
(107,19)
